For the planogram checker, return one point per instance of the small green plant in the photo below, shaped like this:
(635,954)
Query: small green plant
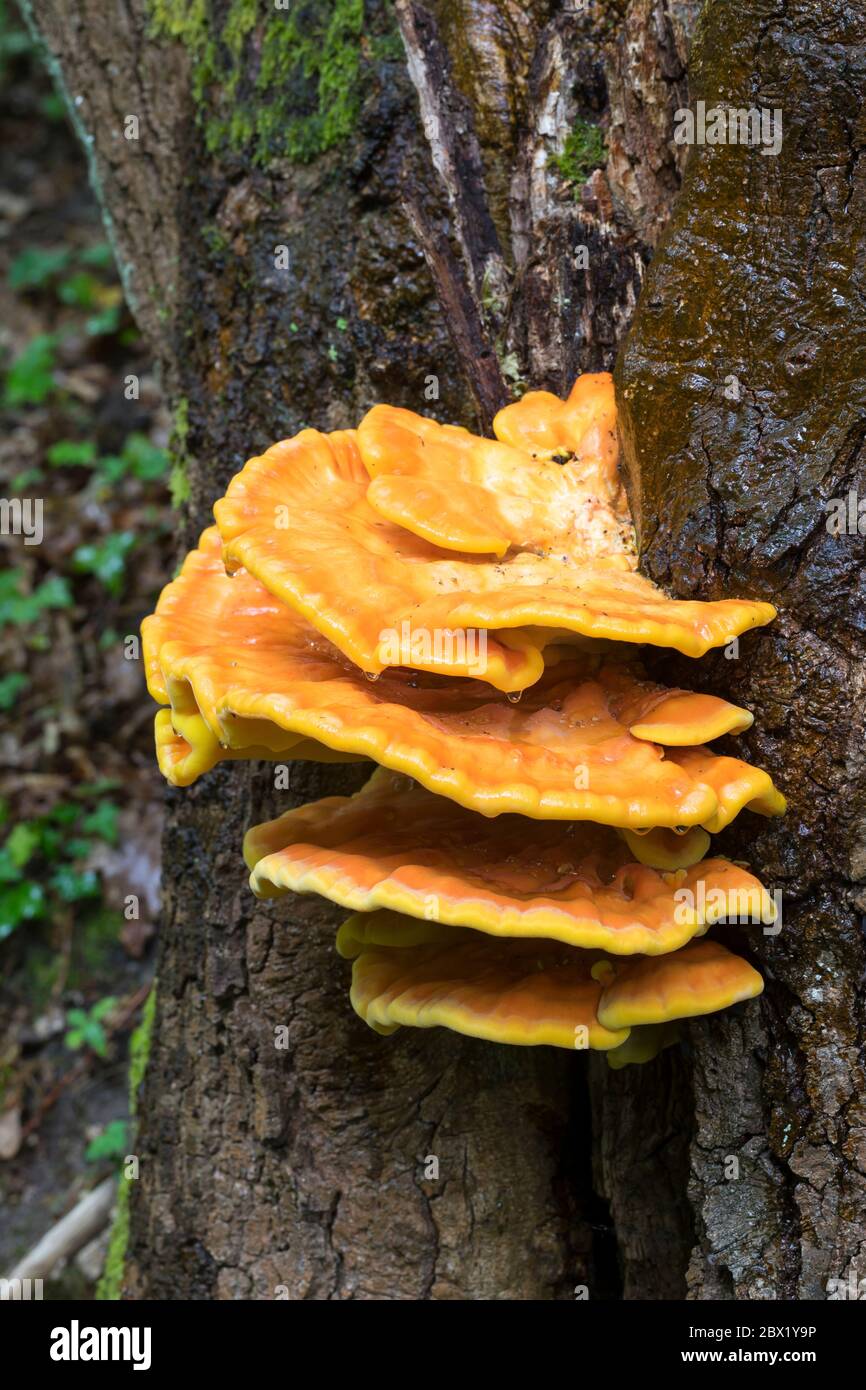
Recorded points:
(110,1144)
(86,1027)
(72,453)
(19,609)
(37,266)
(106,322)
(40,860)
(11,686)
(105,560)
(81,289)
(138,458)
(583,151)
(30,379)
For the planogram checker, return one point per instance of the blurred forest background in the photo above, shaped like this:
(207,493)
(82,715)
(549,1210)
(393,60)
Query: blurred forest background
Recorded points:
(84,430)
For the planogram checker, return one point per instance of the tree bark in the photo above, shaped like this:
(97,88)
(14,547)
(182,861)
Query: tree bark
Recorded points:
(743,402)
(439,240)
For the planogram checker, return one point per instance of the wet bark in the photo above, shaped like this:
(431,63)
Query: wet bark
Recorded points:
(441,241)
(743,401)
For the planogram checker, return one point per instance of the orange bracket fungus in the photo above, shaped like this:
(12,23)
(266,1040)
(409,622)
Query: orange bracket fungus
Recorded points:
(528,862)
(299,519)
(262,679)
(394,845)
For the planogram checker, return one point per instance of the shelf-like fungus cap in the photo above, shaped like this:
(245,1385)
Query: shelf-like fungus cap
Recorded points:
(396,846)
(702,978)
(676,718)
(525,993)
(298,519)
(737,784)
(222,647)
(465,493)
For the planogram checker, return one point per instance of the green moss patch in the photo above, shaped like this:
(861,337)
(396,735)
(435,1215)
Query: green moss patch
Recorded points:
(277,82)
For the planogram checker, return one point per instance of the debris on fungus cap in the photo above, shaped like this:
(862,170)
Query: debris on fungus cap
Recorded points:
(396,846)
(299,520)
(702,978)
(520,992)
(476,495)
(223,647)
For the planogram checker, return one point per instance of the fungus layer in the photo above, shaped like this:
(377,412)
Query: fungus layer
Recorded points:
(298,519)
(423,975)
(527,993)
(395,845)
(223,648)
(702,978)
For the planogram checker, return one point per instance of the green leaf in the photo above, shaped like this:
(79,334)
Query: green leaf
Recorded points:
(111,1143)
(36,266)
(81,289)
(22,843)
(19,904)
(71,453)
(98,788)
(9,872)
(18,610)
(30,379)
(72,886)
(146,460)
(23,482)
(11,687)
(106,560)
(100,256)
(105,322)
(103,1007)
(103,822)
(76,848)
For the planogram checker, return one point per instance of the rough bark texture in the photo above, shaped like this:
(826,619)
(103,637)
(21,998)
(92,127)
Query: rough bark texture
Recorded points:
(441,240)
(760,278)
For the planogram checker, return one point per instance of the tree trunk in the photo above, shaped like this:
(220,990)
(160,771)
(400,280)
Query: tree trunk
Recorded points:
(743,404)
(436,244)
